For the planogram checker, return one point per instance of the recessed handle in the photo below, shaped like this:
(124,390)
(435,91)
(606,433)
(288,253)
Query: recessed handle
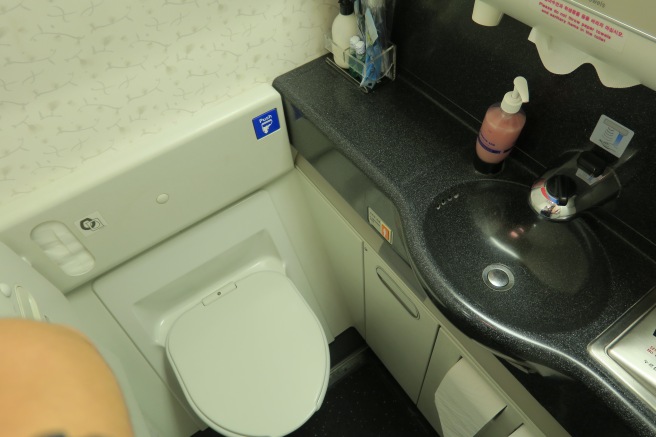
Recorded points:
(396,291)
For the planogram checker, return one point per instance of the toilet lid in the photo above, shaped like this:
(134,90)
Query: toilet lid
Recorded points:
(254,361)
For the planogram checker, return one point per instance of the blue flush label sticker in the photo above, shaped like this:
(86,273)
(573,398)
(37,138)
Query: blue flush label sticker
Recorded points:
(266,124)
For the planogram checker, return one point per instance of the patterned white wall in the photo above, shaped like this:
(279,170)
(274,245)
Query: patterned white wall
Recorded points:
(81,80)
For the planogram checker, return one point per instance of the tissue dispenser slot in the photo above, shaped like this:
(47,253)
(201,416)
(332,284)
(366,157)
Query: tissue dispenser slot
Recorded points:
(628,349)
(568,34)
(466,403)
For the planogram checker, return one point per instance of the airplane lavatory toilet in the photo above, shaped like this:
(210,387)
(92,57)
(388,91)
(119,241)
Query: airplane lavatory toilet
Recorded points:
(216,313)
(225,315)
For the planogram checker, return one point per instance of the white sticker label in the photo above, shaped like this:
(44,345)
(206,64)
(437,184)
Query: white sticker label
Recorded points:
(379,225)
(91,223)
(611,136)
(586,24)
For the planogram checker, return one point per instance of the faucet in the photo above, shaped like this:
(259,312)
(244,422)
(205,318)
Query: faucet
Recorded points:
(582,182)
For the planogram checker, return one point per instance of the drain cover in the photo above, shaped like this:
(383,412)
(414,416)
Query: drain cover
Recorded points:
(498,277)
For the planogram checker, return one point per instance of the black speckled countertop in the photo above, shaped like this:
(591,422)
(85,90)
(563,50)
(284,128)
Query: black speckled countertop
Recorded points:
(417,149)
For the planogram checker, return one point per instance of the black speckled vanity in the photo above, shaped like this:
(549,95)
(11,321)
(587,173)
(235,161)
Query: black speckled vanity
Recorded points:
(406,150)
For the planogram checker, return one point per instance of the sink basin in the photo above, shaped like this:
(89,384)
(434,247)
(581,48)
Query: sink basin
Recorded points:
(499,257)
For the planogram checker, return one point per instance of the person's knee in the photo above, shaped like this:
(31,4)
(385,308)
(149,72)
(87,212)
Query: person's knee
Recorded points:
(30,333)
(57,381)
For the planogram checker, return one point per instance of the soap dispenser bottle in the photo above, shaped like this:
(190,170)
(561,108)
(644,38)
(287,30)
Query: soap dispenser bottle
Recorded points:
(501,126)
(344,27)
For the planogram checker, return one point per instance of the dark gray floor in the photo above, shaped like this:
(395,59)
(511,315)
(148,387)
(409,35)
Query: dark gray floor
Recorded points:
(363,399)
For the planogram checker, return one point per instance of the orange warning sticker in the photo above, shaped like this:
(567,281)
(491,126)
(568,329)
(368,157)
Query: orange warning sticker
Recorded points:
(379,225)
(385,232)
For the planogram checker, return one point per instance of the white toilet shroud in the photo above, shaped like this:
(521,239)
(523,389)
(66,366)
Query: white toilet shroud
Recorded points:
(253,361)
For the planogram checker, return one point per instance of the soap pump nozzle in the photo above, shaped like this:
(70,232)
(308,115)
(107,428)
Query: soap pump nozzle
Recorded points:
(513,100)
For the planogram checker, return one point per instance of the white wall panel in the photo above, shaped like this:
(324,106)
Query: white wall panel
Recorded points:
(82,80)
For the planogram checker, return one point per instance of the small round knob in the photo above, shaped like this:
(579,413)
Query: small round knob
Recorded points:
(5,289)
(561,188)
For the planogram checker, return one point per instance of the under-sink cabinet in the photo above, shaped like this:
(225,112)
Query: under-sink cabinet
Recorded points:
(419,353)
(413,339)
(399,328)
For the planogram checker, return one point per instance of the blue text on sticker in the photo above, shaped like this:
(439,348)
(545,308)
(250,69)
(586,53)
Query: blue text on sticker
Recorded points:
(266,124)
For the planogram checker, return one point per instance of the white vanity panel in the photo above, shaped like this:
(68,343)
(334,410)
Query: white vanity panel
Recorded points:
(399,328)
(344,252)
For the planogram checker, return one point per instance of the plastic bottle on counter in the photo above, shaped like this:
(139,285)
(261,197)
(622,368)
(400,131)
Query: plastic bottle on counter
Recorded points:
(352,43)
(344,27)
(501,126)
(357,68)
(351,59)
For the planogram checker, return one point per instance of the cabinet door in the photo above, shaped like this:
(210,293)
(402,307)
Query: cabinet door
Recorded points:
(344,249)
(399,329)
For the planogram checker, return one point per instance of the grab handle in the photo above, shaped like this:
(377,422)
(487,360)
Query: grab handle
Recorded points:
(396,291)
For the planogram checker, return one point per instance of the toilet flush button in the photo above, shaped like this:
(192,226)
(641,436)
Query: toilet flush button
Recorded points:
(162,198)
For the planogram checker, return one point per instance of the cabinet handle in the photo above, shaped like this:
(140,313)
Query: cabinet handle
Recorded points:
(397,293)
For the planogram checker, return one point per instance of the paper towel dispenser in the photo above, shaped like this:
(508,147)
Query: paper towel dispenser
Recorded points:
(618,37)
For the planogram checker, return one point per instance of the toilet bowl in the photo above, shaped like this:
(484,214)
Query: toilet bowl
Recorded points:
(252,359)
(224,313)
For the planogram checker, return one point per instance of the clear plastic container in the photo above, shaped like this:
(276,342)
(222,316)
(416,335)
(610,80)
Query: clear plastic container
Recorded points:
(388,58)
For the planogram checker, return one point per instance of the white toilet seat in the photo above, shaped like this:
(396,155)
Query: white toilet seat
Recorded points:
(253,362)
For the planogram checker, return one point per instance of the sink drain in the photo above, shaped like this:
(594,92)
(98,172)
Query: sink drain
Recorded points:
(498,277)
